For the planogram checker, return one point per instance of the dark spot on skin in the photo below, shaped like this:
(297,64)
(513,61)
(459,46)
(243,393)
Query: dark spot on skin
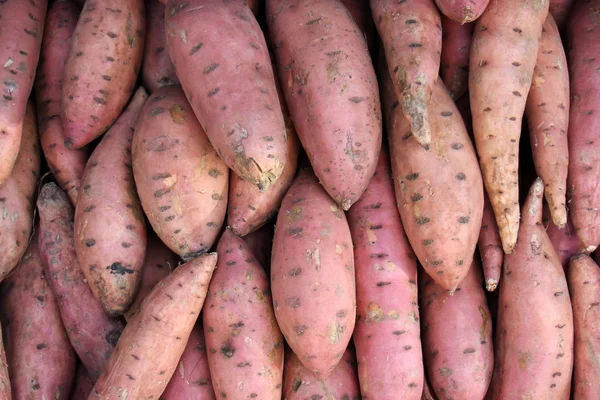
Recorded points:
(41,346)
(89,208)
(446,113)
(412,177)
(130,227)
(300,329)
(517,30)
(378,255)
(293,302)
(427,242)
(111,35)
(118,268)
(196,48)
(313,21)
(295,232)
(464,220)
(130,377)
(422,220)
(517,93)
(399,333)
(295,271)
(557,294)
(125,245)
(135,357)
(161,192)
(90,242)
(357,99)
(469,350)
(457,146)
(112,337)
(416,197)
(213,92)
(380,284)
(516,64)
(415,45)
(100,100)
(411,21)
(227,351)
(461,176)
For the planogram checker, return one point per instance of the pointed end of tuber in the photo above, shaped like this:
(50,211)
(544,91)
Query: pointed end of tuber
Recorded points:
(491,285)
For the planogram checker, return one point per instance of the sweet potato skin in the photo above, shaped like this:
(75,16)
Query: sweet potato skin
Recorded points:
(331,90)
(516,27)
(490,247)
(312,268)
(456,46)
(154,340)
(110,230)
(387,332)
(181,180)
(22,29)
(565,241)
(462,11)
(102,68)
(560,11)
(583,35)
(92,333)
(245,345)
(5,391)
(234,98)
(361,12)
(41,361)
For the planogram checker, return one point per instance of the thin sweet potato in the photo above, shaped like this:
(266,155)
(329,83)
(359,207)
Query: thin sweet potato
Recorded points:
(462,11)
(245,344)
(181,180)
(456,46)
(110,230)
(65,164)
(92,333)
(83,384)
(387,332)
(560,11)
(331,89)
(534,333)
(312,275)
(5,392)
(234,97)
(490,247)
(41,361)
(154,340)
(102,68)
(21,35)
(565,241)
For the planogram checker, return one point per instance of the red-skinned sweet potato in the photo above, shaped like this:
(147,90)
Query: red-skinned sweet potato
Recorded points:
(245,345)
(330,87)
(565,241)
(560,11)
(456,46)
(102,68)
(65,164)
(41,361)
(154,340)
(312,275)
(361,12)
(82,385)
(462,11)
(387,332)
(110,230)
(5,391)
(534,333)
(490,247)
(255,5)
(181,180)
(260,243)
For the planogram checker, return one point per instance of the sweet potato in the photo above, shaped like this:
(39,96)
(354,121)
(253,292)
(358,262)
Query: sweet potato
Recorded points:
(245,344)
(83,384)
(17,196)
(181,181)
(331,89)
(490,247)
(157,68)
(565,241)
(22,29)
(560,11)
(102,68)
(260,243)
(547,112)
(514,26)
(454,67)
(584,286)
(312,275)
(361,12)
(300,383)
(110,230)
(534,334)
(457,337)
(234,97)
(154,340)
(411,32)
(92,333)
(41,361)
(439,192)
(386,336)
(255,5)
(65,164)
(5,392)
(462,11)
(584,122)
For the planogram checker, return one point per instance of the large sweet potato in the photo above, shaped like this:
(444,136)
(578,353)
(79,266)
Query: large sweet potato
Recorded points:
(462,11)
(330,87)
(534,334)
(102,67)
(41,361)
(490,247)
(312,275)
(386,336)
(5,391)
(223,63)
(92,333)
(110,230)
(181,180)
(560,11)
(154,340)
(456,46)
(21,35)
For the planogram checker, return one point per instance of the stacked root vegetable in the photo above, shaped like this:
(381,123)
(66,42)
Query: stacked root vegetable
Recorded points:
(300,199)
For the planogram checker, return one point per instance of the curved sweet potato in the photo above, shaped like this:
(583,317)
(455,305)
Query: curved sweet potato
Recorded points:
(490,247)
(102,68)
(5,391)
(387,324)
(331,89)
(462,11)
(83,384)
(560,11)
(181,181)
(110,230)
(565,241)
(456,46)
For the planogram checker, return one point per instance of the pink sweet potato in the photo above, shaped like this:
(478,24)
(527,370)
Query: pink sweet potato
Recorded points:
(5,392)
(17,196)
(110,230)
(560,11)
(330,86)
(245,345)
(102,68)
(411,32)
(386,336)
(565,241)
(361,12)
(181,180)
(82,385)
(65,164)
(41,361)
(490,247)
(21,35)
(154,340)
(312,275)
(260,243)
(92,333)
(584,122)
(534,334)
(456,46)
(462,11)
(223,63)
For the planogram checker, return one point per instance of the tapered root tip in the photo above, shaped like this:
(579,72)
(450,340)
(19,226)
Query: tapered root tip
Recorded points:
(491,285)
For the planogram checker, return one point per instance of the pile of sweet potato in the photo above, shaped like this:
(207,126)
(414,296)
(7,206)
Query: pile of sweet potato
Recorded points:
(300,199)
